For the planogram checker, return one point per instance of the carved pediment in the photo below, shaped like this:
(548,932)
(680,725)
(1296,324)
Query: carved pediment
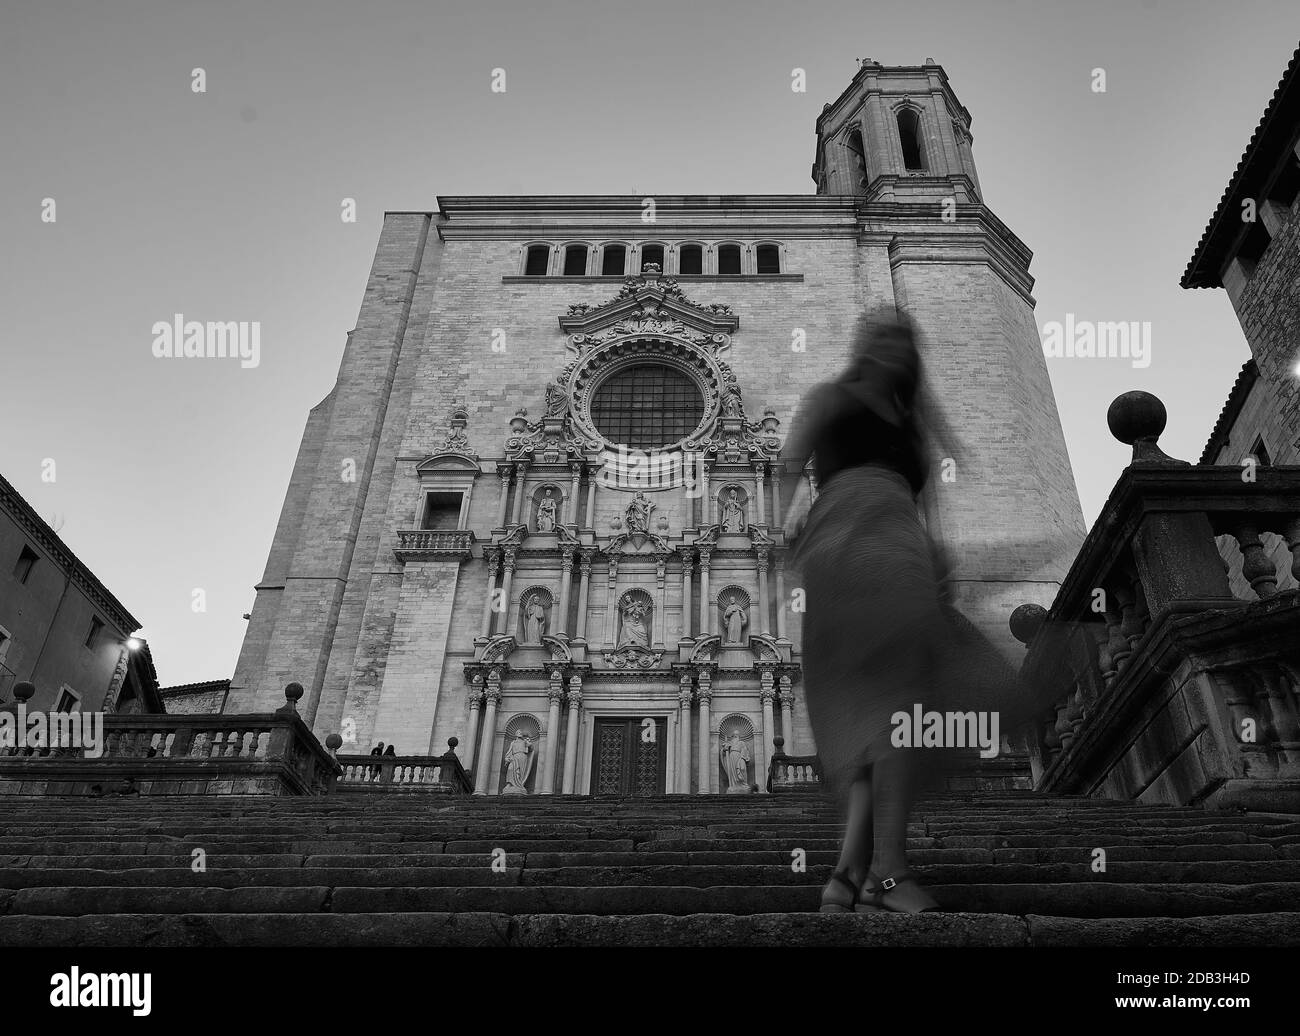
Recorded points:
(437,463)
(498,648)
(632,656)
(649,305)
(706,648)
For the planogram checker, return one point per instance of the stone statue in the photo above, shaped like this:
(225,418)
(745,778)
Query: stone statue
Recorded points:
(634,624)
(546,513)
(534,621)
(734,620)
(733,515)
(735,763)
(638,514)
(731,406)
(520,758)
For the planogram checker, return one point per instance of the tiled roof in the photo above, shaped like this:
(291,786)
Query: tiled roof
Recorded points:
(1246,379)
(1275,132)
(194,688)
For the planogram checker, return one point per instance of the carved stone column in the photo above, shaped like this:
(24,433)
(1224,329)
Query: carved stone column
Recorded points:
(483,774)
(590,517)
(555,693)
(687,564)
(504,471)
(475,698)
(760,496)
(706,766)
(566,587)
(576,469)
(493,559)
(611,600)
(764,607)
(521,471)
(684,734)
(511,554)
(777,469)
(781,602)
(767,695)
(584,584)
(571,738)
(707,609)
(787,715)
(661,599)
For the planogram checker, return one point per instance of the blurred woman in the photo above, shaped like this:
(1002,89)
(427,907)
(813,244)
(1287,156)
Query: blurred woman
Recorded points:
(878,635)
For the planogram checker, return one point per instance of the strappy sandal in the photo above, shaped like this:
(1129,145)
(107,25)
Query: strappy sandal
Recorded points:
(841,908)
(875,893)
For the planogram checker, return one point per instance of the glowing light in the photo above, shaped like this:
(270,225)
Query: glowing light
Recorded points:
(134,643)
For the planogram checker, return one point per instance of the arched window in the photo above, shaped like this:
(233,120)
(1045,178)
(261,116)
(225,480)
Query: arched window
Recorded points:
(613,262)
(690,260)
(728,259)
(647,406)
(858,158)
(652,254)
(909,134)
(539,258)
(769,259)
(575,260)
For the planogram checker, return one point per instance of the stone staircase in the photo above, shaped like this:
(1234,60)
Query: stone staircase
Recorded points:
(372,870)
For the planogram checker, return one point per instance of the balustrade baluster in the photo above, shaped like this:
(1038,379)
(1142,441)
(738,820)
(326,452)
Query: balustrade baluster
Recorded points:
(1256,566)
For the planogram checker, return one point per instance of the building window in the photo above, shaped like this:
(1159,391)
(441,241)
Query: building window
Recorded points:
(690,260)
(539,259)
(909,135)
(68,700)
(575,260)
(614,261)
(652,254)
(96,626)
(729,259)
(769,259)
(441,511)
(647,407)
(1260,452)
(26,562)
(858,159)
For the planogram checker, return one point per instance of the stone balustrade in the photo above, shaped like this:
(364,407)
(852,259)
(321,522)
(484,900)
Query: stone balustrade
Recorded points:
(1175,686)
(792,773)
(426,544)
(149,754)
(440,774)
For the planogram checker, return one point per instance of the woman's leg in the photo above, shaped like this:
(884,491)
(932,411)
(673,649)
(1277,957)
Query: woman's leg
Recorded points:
(855,852)
(894,788)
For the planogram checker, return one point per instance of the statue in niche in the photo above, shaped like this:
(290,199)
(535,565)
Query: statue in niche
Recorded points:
(638,514)
(734,621)
(634,623)
(546,513)
(731,406)
(735,763)
(520,758)
(534,620)
(733,514)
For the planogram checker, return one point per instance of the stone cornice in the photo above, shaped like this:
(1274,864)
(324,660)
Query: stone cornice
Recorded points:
(25,516)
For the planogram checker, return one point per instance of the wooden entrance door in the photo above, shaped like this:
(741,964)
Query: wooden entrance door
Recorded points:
(630,756)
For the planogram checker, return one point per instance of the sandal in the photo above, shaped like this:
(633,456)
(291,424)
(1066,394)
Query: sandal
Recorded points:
(875,893)
(840,908)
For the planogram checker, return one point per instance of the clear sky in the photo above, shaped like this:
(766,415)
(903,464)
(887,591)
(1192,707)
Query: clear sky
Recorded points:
(225,205)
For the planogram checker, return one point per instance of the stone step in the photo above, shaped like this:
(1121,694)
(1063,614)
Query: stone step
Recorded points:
(1067,900)
(785,930)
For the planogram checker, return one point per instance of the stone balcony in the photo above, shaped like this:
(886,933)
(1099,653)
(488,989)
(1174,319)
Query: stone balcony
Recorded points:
(1178,659)
(430,544)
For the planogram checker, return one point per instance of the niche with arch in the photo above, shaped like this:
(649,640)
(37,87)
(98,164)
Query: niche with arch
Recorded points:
(736,753)
(546,507)
(635,619)
(734,609)
(733,508)
(535,606)
(519,755)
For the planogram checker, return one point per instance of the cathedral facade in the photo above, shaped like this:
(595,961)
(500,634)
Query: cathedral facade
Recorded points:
(542,509)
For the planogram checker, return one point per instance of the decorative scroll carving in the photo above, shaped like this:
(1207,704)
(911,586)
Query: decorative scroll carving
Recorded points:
(633,656)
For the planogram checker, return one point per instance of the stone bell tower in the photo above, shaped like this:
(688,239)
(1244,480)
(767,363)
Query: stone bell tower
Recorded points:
(896,134)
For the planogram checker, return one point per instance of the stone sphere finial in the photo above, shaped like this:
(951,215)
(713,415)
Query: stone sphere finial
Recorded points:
(23,691)
(1026,621)
(778,742)
(334,742)
(1137,419)
(292,694)
(452,742)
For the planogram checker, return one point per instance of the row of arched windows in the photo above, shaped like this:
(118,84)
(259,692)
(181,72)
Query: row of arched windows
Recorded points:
(619,259)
